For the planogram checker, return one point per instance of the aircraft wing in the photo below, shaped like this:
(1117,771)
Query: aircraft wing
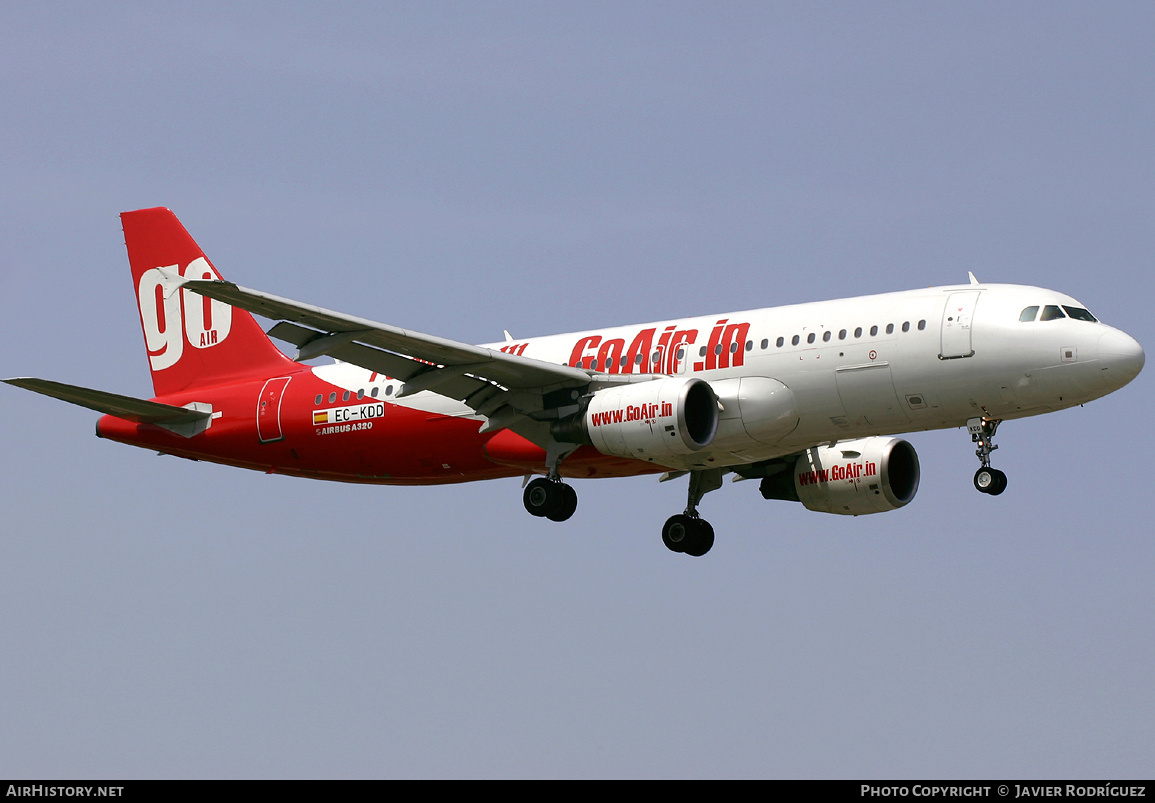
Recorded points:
(502,387)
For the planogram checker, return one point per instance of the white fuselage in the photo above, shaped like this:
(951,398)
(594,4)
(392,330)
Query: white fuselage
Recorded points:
(873,365)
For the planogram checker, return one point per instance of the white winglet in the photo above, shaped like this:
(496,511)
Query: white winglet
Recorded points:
(171,280)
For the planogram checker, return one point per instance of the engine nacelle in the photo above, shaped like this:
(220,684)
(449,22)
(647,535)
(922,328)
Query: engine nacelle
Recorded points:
(648,420)
(851,478)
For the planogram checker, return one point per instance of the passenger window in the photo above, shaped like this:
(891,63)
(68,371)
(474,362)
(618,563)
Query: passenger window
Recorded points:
(890,328)
(360,394)
(750,344)
(332,397)
(842,334)
(1079,314)
(319,399)
(373,392)
(1051,312)
(826,336)
(873,331)
(921,325)
(906,326)
(345,396)
(858,332)
(810,338)
(794,340)
(1028,315)
(781,341)
(765,344)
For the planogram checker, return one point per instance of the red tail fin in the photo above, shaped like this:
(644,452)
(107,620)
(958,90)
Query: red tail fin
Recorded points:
(191,340)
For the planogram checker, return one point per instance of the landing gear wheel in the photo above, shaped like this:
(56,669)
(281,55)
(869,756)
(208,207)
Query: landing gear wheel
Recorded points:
(990,481)
(540,497)
(553,500)
(692,536)
(676,532)
(703,539)
(567,503)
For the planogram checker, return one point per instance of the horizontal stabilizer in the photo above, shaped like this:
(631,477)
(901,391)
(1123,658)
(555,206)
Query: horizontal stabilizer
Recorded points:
(181,420)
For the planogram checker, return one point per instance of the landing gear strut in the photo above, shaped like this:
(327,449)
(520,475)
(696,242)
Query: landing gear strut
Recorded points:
(687,532)
(987,480)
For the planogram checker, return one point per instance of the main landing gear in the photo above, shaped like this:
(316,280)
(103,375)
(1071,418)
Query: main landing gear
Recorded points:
(687,532)
(550,498)
(987,480)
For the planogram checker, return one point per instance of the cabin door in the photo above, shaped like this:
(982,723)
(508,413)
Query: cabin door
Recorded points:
(956,325)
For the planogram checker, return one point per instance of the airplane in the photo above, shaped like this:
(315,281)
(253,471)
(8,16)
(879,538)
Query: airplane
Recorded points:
(804,398)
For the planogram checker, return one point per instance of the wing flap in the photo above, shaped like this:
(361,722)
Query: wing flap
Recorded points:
(417,375)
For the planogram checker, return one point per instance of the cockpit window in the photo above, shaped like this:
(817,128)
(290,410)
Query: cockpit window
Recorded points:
(1028,315)
(1079,314)
(1051,312)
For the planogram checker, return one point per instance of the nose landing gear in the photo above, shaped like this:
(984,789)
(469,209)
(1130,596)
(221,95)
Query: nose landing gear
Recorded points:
(987,480)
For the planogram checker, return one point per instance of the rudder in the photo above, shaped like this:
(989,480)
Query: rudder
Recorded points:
(191,340)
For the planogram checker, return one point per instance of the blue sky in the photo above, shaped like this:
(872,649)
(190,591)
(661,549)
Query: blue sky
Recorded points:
(461,169)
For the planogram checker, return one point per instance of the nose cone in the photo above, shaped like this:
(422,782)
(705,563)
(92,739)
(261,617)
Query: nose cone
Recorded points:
(1120,356)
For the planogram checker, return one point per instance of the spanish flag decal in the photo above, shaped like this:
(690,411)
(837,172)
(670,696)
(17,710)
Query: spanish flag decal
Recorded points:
(320,417)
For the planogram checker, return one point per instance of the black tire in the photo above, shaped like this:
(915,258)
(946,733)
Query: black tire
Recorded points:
(985,479)
(567,503)
(541,497)
(677,532)
(702,540)
(1000,483)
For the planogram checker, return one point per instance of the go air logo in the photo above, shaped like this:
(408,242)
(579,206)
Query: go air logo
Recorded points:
(649,411)
(850,471)
(172,318)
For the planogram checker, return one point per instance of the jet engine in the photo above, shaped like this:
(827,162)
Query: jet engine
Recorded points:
(646,420)
(850,478)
